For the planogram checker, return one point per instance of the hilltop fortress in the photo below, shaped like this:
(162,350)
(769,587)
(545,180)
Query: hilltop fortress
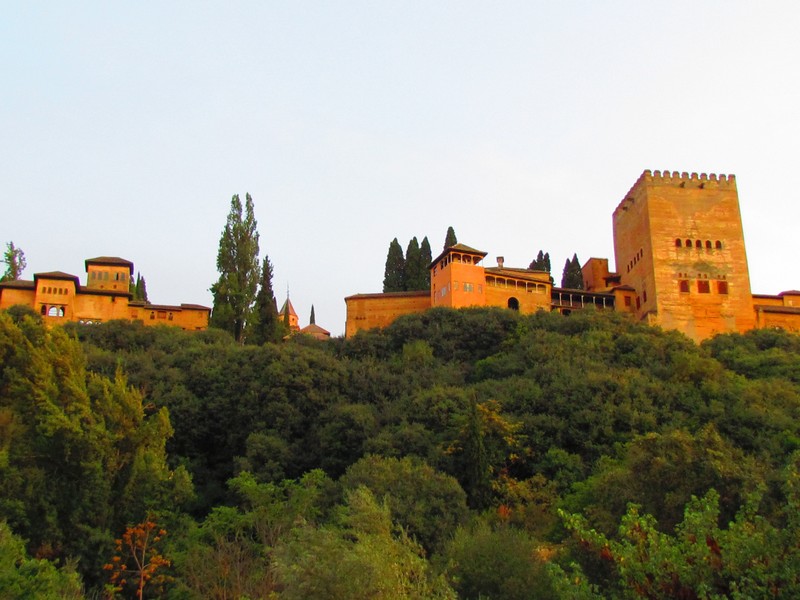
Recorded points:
(680,259)
(60,297)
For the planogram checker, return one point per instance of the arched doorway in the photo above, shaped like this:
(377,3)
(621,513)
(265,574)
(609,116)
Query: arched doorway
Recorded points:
(513,303)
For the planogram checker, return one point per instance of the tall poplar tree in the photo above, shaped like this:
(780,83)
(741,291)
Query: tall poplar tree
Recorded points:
(14,259)
(266,326)
(395,266)
(425,259)
(237,263)
(450,239)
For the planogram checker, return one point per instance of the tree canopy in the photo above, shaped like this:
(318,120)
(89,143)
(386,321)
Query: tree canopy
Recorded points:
(455,453)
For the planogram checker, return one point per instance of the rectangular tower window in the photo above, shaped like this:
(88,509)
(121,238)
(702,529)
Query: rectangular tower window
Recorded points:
(703,287)
(722,287)
(683,286)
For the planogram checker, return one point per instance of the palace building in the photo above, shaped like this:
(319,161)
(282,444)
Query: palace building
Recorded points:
(680,258)
(60,297)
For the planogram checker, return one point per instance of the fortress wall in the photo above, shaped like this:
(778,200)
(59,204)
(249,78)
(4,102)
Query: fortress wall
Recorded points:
(11,296)
(367,311)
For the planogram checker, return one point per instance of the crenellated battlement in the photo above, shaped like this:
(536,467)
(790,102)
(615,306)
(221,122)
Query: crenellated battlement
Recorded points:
(677,179)
(682,179)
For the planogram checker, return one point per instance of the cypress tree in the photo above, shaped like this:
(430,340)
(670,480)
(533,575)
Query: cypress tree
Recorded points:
(542,263)
(413,276)
(565,274)
(538,263)
(425,259)
(237,263)
(573,274)
(395,266)
(140,289)
(577,273)
(265,324)
(312,320)
(450,239)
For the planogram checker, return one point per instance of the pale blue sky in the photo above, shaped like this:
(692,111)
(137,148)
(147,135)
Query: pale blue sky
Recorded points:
(126,128)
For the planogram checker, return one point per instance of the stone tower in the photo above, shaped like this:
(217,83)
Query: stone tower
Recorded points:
(678,241)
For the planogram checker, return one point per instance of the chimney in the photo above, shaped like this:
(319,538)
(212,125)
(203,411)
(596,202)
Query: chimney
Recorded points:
(500,261)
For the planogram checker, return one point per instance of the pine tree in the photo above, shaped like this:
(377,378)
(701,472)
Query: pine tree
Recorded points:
(266,326)
(413,275)
(14,259)
(450,239)
(237,263)
(425,259)
(312,320)
(395,266)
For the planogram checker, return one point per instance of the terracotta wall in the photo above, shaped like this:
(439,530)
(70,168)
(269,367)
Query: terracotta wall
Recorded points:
(366,311)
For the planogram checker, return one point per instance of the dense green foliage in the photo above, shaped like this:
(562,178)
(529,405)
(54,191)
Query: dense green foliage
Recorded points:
(430,459)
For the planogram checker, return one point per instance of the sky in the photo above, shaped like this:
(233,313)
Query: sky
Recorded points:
(126,128)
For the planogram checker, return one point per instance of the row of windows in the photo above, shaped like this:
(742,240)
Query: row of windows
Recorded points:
(514,283)
(699,276)
(468,287)
(52,310)
(103,275)
(459,258)
(635,260)
(162,314)
(703,286)
(54,290)
(679,243)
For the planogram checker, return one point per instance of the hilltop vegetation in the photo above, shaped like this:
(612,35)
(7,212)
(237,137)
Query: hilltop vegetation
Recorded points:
(471,453)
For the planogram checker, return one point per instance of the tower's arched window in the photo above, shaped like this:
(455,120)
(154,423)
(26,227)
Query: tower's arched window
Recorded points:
(708,244)
(688,243)
(44,309)
(513,303)
(718,245)
(698,244)
(678,243)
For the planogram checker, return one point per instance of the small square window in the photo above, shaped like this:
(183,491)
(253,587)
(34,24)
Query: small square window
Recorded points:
(703,287)
(683,286)
(722,287)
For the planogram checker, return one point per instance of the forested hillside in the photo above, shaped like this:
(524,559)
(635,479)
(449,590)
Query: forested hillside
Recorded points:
(456,454)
